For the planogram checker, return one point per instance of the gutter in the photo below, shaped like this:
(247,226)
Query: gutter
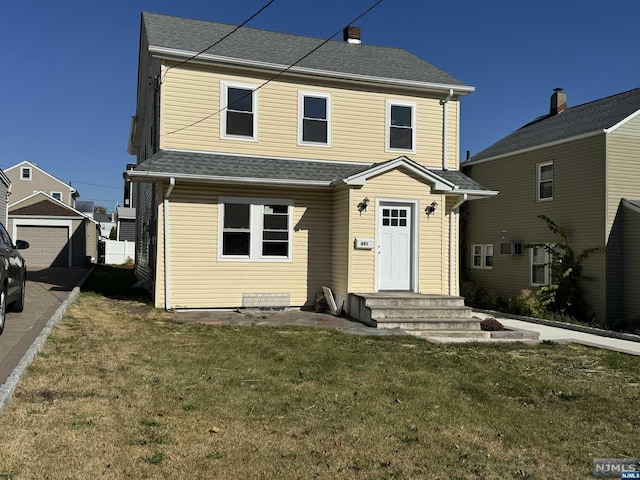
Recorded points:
(165,211)
(445,130)
(452,244)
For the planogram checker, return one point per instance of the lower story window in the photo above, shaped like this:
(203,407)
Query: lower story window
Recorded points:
(255,229)
(482,256)
(540,266)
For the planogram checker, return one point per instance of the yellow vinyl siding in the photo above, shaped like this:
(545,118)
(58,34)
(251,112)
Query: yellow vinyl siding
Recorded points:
(623,174)
(631,278)
(199,279)
(578,206)
(341,241)
(191,95)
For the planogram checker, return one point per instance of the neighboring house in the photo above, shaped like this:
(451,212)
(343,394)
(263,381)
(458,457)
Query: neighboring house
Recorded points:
(106,223)
(573,165)
(125,219)
(86,207)
(339,171)
(27,178)
(5,191)
(58,235)
(42,212)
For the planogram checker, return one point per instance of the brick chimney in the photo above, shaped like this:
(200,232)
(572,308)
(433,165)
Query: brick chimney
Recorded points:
(351,34)
(558,101)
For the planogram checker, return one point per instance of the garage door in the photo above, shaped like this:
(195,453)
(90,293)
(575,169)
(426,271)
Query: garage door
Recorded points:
(47,246)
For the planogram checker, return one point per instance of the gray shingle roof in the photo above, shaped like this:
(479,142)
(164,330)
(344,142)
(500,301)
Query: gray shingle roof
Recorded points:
(217,167)
(579,120)
(252,44)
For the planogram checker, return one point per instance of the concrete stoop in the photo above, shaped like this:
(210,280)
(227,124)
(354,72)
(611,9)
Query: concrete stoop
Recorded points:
(437,318)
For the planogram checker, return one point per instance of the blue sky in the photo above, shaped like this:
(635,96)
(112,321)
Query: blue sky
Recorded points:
(69,69)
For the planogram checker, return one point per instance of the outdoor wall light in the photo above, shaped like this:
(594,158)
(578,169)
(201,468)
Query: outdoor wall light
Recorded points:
(503,234)
(431,209)
(362,206)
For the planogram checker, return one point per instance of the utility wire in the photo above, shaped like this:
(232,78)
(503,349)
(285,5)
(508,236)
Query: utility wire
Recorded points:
(283,71)
(264,7)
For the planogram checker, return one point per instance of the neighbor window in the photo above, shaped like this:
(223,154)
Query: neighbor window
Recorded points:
(239,117)
(57,195)
(482,256)
(25,173)
(540,267)
(255,229)
(314,125)
(545,181)
(401,131)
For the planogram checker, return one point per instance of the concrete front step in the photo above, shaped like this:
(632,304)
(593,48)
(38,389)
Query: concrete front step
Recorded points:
(431,324)
(411,300)
(424,312)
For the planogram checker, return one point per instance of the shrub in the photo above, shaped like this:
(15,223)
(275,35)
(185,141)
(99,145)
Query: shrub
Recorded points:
(491,325)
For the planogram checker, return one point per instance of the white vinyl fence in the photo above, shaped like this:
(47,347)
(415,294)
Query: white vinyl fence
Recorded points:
(117,252)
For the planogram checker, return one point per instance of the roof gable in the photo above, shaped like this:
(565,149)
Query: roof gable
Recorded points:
(185,37)
(33,166)
(47,207)
(599,116)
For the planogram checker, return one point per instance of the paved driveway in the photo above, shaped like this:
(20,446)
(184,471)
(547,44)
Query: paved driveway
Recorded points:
(46,290)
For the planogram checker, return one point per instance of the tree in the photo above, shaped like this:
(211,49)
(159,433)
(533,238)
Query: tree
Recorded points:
(564,295)
(99,209)
(112,233)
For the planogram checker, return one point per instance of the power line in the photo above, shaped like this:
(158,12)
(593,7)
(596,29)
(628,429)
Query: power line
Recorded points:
(264,7)
(283,71)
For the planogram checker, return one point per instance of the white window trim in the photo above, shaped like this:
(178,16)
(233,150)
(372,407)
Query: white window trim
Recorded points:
(28,169)
(307,93)
(224,86)
(539,181)
(53,194)
(483,255)
(255,228)
(400,103)
(547,268)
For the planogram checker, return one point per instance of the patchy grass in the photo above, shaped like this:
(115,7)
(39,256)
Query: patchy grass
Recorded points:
(121,391)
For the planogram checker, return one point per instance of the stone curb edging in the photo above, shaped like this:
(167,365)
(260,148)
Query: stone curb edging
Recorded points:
(9,386)
(567,326)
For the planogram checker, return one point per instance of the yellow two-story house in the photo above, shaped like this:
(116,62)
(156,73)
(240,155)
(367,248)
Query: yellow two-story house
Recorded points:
(271,165)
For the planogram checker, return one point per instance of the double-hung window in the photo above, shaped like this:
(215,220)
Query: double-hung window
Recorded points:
(401,125)
(255,229)
(544,179)
(482,256)
(239,116)
(314,113)
(540,266)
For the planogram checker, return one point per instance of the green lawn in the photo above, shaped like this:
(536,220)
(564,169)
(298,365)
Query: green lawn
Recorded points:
(122,391)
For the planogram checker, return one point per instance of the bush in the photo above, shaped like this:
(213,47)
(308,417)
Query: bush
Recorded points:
(491,325)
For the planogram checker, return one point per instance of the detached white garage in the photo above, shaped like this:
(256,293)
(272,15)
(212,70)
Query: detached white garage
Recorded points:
(48,245)
(58,235)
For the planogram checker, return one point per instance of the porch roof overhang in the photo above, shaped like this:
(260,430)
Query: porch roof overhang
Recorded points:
(293,172)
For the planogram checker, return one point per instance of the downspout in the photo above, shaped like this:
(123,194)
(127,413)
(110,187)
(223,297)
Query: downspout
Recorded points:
(452,244)
(165,211)
(445,130)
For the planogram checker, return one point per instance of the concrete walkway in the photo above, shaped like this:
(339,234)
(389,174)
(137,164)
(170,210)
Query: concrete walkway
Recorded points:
(567,335)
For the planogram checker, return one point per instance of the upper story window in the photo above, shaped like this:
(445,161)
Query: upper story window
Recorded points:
(401,121)
(255,229)
(25,173)
(545,181)
(314,118)
(482,256)
(239,118)
(57,195)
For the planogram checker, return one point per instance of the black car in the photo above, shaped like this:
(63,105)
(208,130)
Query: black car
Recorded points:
(13,275)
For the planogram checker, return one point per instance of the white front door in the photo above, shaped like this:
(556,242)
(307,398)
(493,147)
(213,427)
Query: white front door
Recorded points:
(394,246)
